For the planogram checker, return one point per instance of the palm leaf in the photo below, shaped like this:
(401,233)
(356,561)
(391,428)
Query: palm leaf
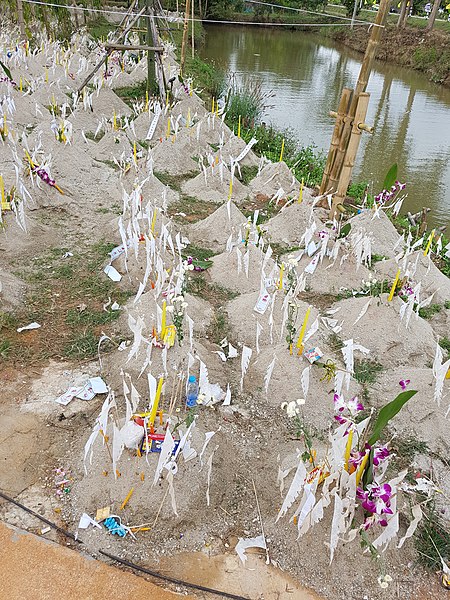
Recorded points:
(7,71)
(391,177)
(388,412)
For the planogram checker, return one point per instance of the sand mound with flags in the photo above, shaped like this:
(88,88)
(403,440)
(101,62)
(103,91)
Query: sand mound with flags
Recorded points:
(297,330)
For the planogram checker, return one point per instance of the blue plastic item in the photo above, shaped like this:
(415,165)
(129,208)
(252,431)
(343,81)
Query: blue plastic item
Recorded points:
(114,527)
(192,392)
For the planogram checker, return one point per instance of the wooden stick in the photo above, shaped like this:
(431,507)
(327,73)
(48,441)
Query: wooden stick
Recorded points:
(336,136)
(185,34)
(137,47)
(261,523)
(351,153)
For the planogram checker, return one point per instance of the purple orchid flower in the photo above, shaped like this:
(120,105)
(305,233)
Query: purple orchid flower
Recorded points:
(354,405)
(403,383)
(379,455)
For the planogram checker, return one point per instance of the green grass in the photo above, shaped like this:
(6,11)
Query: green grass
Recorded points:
(366,371)
(447,304)
(99,27)
(444,343)
(81,346)
(95,138)
(198,253)
(66,296)
(132,94)
(193,209)
(247,174)
(429,311)
(5,348)
(174,181)
(432,540)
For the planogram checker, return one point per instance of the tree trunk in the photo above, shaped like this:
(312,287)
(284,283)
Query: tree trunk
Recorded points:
(433,15)
(401,18)
(75,14)
(21,20)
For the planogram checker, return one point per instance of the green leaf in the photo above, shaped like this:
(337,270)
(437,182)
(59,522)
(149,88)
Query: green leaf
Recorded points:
(345,230)
(391,177)
(203,264)
(7,71)
(388,412)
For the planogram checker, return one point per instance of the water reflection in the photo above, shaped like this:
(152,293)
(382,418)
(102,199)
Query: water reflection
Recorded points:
(411,115)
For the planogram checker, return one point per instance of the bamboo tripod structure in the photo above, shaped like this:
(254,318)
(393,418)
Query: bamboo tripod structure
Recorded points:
(350,123)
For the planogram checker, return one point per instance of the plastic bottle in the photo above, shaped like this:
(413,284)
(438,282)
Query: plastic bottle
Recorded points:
(192,392)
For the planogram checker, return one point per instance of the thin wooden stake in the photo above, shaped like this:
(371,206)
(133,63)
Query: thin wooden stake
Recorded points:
(261,524)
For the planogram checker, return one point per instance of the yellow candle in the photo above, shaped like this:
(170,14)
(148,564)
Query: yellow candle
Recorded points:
(430,239)
(5,126)
(239,127)
(448,375)
(167,98)
(114,120)
(168,127)
(2,189)
(163,319)
(280,282)
(154,410)
(20,84)
(303,331)
(300,196)
(362,467)
(282,150)
(125,502)
(212,109)
(231,189)
(348,448)
(154,221)
(394,285)
(188,121)
(146,100)
(135,153)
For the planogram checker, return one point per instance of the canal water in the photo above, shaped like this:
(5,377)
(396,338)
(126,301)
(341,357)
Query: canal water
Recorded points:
(411,115)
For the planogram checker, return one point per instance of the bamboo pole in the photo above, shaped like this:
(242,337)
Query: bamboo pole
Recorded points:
(361,85)
(185,34)
(108,52)
(352,151)
(340,116)
(364,75)
(151,73)
(193,30)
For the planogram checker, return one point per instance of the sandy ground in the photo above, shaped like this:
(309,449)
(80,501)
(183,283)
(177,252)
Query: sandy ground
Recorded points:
(253,437)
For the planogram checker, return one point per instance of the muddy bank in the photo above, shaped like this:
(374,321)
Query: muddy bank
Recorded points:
(409,47)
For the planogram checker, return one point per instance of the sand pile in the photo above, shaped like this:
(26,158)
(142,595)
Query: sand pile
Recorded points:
(157,193)
(381,331)
(232,149)
(189,106)
(217,186)
(420,416)
(272,178)
(105,103)
(175,155)
(224,271)
(213,131)
(114,144)
(11,290)
(384,235)
(419,268)
(285,383)
(329,278)
(290,224)
(243,319)
(214,231)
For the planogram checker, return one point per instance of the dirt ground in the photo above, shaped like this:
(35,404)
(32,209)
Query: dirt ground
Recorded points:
(52,274)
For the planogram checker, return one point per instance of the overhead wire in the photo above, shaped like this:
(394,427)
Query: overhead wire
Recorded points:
(215,21)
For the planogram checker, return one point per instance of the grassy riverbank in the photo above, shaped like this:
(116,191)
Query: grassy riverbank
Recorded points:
(410,47)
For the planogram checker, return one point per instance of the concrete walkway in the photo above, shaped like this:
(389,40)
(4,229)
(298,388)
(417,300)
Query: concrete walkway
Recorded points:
(38,569)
